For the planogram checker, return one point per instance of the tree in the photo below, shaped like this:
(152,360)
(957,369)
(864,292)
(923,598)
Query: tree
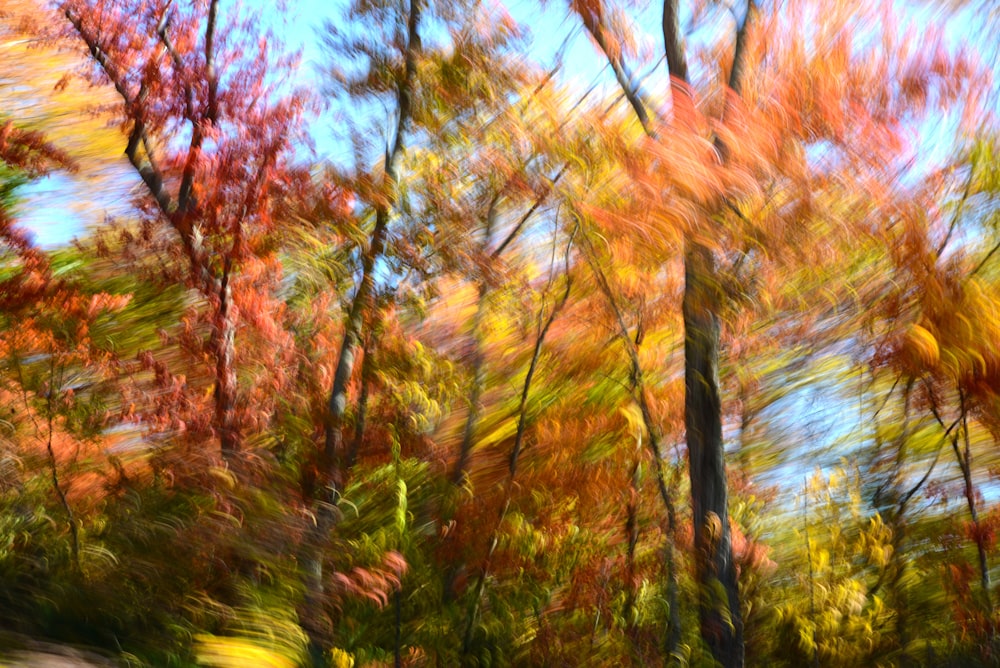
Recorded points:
(720,615)
(451,382)
(208,132)
(724,154)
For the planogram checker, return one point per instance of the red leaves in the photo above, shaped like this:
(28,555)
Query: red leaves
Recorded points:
(374,583)
(210,138)
(983,532)
(29,151)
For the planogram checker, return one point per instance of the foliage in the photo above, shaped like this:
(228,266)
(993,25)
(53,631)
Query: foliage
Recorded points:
(431,405)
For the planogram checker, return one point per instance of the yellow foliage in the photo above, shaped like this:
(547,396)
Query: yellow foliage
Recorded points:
(223,475)
(42,90)
(922,348)
(504,430)
(341,659)
(839,621)
(633,416)
(220,652)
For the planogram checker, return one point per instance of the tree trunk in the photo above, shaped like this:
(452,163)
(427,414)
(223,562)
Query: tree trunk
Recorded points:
(980,539)
(333,447)
(630,611)
(332,474)
(224,333)
(719,609)
(332,471)
(361,408)
(719,601)
(460,474)
(965,462)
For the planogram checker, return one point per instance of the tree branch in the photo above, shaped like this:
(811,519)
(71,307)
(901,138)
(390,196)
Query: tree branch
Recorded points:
(983,262)
(149,171)
(592,22)
(185,201)
(534,207)
(958,212)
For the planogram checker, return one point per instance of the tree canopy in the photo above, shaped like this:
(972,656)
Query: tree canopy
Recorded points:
(602,347)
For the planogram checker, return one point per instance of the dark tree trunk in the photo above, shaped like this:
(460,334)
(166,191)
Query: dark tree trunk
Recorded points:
(719,601)
(965,463)
(719,608)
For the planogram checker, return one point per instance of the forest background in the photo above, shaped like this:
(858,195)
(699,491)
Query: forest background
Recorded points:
(573,343)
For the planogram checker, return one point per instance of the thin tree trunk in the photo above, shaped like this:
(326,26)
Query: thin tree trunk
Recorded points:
(512,461)
(460,474)
(74,527)
(812,577)
(964,458)
(898,588)
(655,441)
(224,336)
(673,638)
(364,295)
(332,471)
(965,463)
(630,611)
(361,410)
(331,462)
(57,487)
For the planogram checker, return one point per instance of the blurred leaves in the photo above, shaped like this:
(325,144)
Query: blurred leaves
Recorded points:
(860,300)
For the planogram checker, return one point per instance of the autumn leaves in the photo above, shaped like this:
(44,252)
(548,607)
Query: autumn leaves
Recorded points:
(435,404)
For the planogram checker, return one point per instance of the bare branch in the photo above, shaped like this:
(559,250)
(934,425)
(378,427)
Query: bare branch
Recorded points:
(148,169)
(958,213)
(982,263)
(625,80)
(527,214)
